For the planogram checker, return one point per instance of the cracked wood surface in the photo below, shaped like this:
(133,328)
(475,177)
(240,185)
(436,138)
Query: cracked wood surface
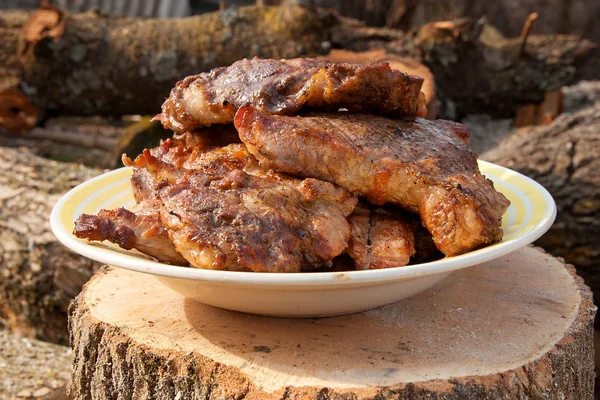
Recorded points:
(38,276)
(517,327)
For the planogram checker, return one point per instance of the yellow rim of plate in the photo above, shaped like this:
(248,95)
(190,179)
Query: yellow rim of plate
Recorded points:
(527,208)
(530,214)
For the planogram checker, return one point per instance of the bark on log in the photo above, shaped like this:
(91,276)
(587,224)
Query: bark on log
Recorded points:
(11,23)
(564,157)
(556,16)
(39,276)
(17,114)
(518,327)
(579,96)
(475,71)
(108,65)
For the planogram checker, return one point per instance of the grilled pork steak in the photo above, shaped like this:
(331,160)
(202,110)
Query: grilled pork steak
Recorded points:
(423,166)
(142,228)
(286,86)
(224,216)
(181,151)
(223,211)
(380,238)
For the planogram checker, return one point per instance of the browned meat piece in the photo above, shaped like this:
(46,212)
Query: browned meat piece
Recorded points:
(143,229)
(181,151)
(460,131)
(286,86)
(420,165)
(142,184)
(143,232)
(228,213)
(425,250)
(380,238)
(207,138)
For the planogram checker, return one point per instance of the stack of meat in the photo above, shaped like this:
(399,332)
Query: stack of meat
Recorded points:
(292,165)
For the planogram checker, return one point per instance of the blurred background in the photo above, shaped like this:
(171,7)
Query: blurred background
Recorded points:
(81,80)
(556,16)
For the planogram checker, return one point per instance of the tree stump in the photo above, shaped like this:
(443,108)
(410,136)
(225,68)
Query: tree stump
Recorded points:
(517,327)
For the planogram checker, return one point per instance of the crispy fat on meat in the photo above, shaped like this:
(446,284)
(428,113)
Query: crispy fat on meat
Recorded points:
(380,238)
(229,213)
(286,86)
(422,166)
(129,230)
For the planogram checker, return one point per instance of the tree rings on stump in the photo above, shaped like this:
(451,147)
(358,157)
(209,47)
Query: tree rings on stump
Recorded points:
(516,327)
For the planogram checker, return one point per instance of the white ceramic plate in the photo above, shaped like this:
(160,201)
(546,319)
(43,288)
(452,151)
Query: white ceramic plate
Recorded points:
(531,213)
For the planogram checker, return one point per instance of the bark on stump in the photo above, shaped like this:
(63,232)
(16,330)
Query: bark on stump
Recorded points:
(38,276)
(517,327)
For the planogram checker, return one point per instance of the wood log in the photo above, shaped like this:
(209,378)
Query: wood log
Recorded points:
(17,114)
(540,114)
(579,96)
(517,327)
(474,71)
(556,16)
(39,276)
(108,65)
(563,157)
(477,70)
(32,369)
(11,24)
(93,141)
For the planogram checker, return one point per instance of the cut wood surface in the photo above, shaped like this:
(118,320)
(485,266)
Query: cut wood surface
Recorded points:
(517,327)
(38,276)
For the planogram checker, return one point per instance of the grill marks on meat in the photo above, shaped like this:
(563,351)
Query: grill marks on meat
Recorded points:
(143,232)
(423,166)
(286,86)
(380,238)
(181,151)
(228,213)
